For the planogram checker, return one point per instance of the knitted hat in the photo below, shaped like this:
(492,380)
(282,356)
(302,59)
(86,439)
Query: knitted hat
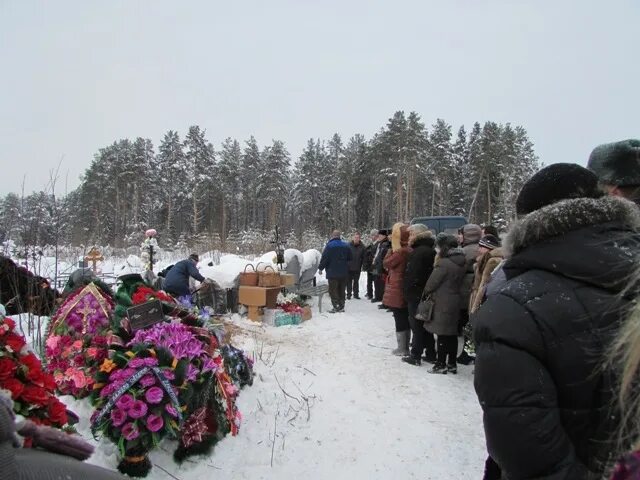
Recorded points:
(446,241)
(194,257)
(560,181)
(490,242)
(617,163)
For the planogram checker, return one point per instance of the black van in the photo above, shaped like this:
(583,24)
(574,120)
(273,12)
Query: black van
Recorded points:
(441,224)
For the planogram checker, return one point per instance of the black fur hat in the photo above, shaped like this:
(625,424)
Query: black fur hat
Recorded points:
(617,163)
(560,181)
(446,241)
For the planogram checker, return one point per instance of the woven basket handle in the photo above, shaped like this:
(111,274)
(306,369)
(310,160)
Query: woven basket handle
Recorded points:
(249,265)
(272,269)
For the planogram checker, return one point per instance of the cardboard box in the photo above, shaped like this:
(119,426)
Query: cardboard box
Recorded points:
(254,313)
(287,279)
(258,296)
(306,314)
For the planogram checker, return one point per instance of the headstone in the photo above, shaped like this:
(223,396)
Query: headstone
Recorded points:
(145,315)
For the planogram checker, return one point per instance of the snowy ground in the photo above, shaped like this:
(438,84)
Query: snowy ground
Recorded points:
(350,411)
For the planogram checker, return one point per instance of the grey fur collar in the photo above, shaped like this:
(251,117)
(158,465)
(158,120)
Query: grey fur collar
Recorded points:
(568,215)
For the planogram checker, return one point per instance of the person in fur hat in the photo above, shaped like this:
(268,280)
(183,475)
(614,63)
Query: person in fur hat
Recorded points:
(469,237)
(541,339)
(489,258)
(617,166)
(419,268)
(395,263)
(444,286)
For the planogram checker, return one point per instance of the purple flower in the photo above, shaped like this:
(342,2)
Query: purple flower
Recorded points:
(171,410)
(148,381)
(154,423)
(130,431)
(143,362)
(154,395)
(169,374)
(118,417)
(192,373)
(138,409)
(125,402)
(209,365)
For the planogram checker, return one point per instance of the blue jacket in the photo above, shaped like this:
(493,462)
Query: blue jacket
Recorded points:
(177,280)
(335,259)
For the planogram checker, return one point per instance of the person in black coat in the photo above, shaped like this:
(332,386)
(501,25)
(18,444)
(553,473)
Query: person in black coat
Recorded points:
(378,269)
(541,339)
(419,268)
(177,278)
(355,266)
(367,262)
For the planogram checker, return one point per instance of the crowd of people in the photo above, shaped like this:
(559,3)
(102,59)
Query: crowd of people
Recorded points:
(549,308)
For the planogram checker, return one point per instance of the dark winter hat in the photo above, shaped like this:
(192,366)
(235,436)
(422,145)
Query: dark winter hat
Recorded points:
(490,242)
(446,241)
(617,163)
(384,231)
(560,181)
(194,257)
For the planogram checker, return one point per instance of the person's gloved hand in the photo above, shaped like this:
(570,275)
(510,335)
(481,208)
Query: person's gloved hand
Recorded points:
(208,280)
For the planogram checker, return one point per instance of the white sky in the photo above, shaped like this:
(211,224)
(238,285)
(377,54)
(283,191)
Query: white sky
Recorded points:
(77,75)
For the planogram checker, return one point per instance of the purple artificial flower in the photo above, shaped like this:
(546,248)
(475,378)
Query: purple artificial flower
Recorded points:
(148,381)
(138,409)
(125,402)
(143,362)
(118,417)
(130,431)
(154,395)
(154,423)
(169,374)
(209,365)
(171,410)
(192,373)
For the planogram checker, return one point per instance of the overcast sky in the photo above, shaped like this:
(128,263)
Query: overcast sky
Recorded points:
(75,76)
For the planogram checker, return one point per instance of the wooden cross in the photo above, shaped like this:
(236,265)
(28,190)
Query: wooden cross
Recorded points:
(94,256)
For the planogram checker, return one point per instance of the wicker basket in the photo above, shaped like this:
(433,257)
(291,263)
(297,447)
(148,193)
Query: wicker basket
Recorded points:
(268,279)
(249,279)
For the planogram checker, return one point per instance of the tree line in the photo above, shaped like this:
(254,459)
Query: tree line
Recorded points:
(234,195)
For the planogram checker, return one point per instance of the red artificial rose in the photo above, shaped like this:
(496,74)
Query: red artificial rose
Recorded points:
(14,342)
(7,368)
(57,412)
(36,377)
(10,325)
(49,382)
(32,363)
(35,395)
(14,385)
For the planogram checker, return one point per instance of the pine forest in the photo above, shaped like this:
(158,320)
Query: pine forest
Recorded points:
(232,195)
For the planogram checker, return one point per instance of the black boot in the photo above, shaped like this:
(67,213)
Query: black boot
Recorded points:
(382,307)
(412,360)
(440,368)
(453,369)
(465,358)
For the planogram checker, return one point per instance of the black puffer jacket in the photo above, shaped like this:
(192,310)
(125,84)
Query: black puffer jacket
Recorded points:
(540,373)
(419,267)
(369,253)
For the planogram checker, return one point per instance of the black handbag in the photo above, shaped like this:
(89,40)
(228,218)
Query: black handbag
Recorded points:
(425,309)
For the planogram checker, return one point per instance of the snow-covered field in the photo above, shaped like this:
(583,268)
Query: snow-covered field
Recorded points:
(351,410)
(329,401)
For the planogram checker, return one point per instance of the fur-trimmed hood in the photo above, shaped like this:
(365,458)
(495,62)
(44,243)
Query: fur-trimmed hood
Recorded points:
(595,241)
(563,217)
(424,238)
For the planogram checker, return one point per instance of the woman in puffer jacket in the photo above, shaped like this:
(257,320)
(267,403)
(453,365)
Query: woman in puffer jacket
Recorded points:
(395,262)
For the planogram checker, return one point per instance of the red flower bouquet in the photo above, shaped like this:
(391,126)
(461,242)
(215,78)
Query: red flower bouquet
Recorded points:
(32,389)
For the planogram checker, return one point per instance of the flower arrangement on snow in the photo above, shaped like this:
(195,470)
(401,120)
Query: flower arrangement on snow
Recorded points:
(291,303)
(170,382)
(76,341)
(32,389)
